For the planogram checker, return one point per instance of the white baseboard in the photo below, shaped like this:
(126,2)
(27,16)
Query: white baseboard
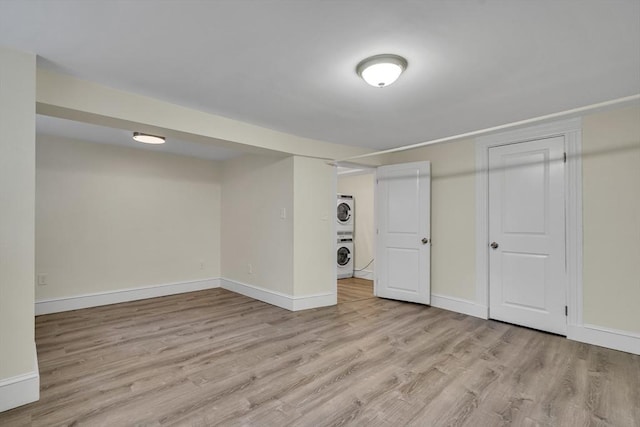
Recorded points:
(363,274)
(123,295)
(459,305)
(23,389)
(20,389)
(590,334)
(279,299)
(306,302)
(261,294)
(605,337)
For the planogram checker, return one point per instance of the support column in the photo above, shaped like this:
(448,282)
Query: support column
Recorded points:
(19,379)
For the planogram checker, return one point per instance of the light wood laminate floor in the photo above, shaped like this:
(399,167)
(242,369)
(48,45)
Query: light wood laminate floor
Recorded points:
(218,358)
(354,289)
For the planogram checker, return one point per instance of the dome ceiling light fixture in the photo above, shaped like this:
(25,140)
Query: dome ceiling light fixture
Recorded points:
(148,139)
(381,70)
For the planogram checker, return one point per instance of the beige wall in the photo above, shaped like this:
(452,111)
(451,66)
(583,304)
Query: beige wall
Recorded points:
(611,219)
(313,234)
(452,215)
(110,218)
(361,187)
(254,193)
(17,197)
(71,98)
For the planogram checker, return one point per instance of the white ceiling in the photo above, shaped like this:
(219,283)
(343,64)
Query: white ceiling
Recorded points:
(46,125)
(290,65)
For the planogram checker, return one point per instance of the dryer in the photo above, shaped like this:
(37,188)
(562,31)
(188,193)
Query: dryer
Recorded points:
(345,256)
(345,214)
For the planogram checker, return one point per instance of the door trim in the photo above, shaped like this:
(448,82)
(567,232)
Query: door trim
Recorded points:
(571,130)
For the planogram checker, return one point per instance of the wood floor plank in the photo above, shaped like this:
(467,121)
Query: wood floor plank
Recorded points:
(218,358)
(354,289)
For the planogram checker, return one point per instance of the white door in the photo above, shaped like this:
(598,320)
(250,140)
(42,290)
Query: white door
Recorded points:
(403,247)
(527,272)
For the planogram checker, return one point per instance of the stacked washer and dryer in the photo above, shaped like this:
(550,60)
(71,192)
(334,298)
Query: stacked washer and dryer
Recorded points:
(346,220)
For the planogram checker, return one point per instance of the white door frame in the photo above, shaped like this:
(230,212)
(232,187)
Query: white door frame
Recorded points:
(572,131)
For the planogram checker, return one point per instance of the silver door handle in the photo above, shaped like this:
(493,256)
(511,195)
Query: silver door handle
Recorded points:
(494,245)
(424,240)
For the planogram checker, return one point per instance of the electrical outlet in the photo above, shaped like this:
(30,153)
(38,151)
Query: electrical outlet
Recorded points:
(283,213)
(42,279)
(201,265)
(249,268)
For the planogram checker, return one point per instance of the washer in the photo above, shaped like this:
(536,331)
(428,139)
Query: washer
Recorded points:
(345,257)
(345,214)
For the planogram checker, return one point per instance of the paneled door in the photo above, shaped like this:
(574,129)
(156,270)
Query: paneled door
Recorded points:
(527,274)
(403,247)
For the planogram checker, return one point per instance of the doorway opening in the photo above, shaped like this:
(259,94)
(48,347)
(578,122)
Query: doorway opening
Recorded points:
(355,235)
(354,289)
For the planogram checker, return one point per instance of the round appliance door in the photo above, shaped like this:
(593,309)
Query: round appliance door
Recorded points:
(344,256)
(344,212)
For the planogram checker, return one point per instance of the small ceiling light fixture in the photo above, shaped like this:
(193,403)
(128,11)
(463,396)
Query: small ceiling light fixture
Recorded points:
(381,70)
(148,139)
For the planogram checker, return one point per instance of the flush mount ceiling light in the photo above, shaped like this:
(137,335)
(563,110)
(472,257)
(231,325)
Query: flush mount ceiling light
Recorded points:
(381,70)
(148,139)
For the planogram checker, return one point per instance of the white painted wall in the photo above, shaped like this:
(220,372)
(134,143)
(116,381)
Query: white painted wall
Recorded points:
(313,234)
(17,198)
(111,218)
(452,215)
(256,192)
(611,219)
(361,187)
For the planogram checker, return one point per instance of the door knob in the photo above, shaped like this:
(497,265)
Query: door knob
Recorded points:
(424,240)
(494,245)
